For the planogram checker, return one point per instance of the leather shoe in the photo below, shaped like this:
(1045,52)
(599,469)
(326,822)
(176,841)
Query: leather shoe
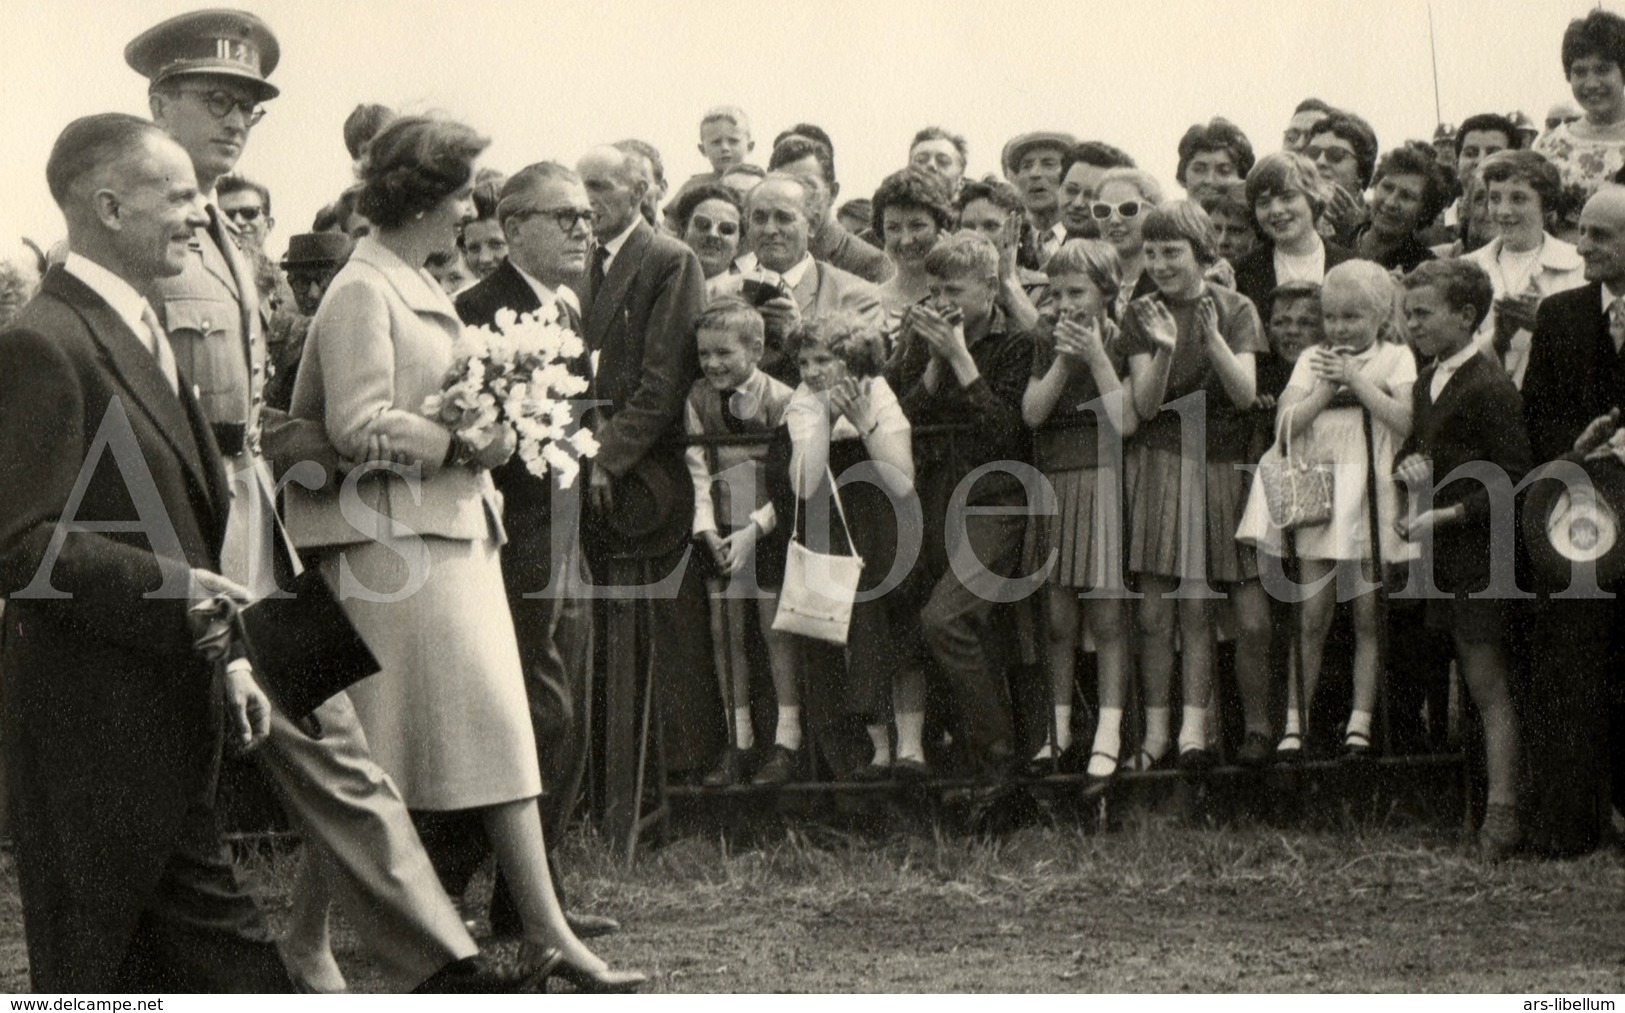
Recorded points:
(473,976)
(910,770)
(600,982)
(780,767)
(590,926)
(1256,750)
(729,771)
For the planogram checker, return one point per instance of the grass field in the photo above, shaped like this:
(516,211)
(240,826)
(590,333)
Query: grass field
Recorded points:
(1153,906)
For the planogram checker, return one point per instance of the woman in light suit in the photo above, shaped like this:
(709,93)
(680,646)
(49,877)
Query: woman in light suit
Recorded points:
(416,562)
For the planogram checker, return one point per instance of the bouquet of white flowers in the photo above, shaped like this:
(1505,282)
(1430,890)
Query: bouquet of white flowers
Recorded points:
(518,374)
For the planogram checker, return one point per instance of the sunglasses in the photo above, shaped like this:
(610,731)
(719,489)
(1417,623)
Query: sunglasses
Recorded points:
(1101,211)
(221,103)
(700,223)
(244,214)
(565,218)
(1333,156)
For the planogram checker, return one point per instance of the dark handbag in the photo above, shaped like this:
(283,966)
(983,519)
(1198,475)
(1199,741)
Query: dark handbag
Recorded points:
(304,648)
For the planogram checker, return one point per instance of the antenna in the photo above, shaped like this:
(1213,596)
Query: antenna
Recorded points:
(1433,49)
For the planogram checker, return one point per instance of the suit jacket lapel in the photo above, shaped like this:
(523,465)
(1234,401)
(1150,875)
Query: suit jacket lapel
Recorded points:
(514,292)
(604,303)
(807,289)
(130,361)
(242,278)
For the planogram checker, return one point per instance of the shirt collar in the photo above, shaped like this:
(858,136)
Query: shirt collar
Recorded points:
(1608,297)
(798,270)
(1460,359)
(546,295)
(129,304)
(613,246)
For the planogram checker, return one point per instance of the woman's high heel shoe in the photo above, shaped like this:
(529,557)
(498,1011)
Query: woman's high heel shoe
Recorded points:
(599,982)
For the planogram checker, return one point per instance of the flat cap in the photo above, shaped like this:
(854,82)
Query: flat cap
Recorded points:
(215,41)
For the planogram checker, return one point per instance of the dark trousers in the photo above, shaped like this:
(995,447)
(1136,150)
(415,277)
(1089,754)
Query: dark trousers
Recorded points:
(953,628)
(201,931)
(1566,702)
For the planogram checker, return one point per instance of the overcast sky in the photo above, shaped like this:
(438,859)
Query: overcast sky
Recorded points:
(548,79)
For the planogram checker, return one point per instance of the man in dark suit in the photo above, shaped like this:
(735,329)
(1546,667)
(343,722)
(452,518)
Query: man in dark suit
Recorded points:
(545,216)
(1575,378)
(115,723)
(642,294)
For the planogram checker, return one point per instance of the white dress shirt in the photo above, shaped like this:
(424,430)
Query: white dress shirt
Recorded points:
(1447,369)
(129,304)
(613,246)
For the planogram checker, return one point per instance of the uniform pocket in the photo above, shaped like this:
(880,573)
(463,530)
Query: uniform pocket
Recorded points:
(205,334)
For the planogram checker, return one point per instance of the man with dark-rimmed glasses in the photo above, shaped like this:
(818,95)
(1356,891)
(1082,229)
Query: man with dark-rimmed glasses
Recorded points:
(548,222)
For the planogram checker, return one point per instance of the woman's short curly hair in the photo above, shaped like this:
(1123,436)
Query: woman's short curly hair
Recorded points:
(1284,173)
(1600,33)
(1417,159)
(1150,190)
(1218,134)
(413,164)
(856,342)
(911,188)
(689,201)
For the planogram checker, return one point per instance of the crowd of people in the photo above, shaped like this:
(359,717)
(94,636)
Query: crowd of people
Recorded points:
(1136,482)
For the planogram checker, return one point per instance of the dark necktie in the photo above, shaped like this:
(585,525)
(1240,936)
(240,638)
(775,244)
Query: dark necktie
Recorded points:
(595,279)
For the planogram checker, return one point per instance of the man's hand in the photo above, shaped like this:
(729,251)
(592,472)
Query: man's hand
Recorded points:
(247,708)
(781,315)
(600,490)
(1597,433)
(1413,528)
(206,585)
(1413,470)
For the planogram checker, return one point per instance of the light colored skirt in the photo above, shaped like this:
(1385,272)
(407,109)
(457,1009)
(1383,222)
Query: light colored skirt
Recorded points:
(1086,533)
(446,716)
(1182,519)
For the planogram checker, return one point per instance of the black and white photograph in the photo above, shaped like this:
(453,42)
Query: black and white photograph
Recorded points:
(520,498)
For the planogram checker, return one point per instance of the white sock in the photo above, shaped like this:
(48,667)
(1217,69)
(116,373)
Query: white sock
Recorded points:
(880,738)
(1360,723)
(788,733)
(744,734)
(1193,728)
(1291,736)
(910,733)
(1292,723)
(1108,740)
(1063,727)
(1156,732)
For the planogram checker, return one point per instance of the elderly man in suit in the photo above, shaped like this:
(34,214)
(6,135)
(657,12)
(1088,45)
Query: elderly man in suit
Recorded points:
(547,220)
(208,74)
(642,294)
(114,721)
(779,216)
(830,241)
(1573,392)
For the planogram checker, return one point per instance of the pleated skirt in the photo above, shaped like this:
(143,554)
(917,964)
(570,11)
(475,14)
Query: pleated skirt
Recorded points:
(1085,536)
(1183,517)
